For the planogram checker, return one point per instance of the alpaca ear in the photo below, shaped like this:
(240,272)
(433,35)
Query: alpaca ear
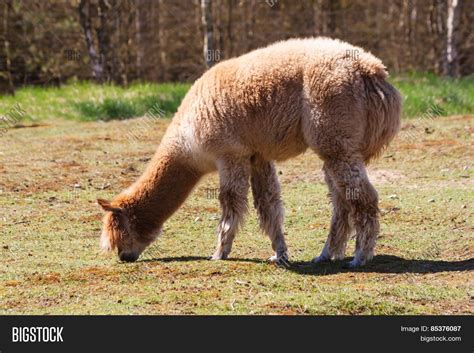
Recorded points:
(107,206)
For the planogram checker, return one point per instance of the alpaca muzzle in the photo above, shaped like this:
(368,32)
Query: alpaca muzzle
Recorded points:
(128,256)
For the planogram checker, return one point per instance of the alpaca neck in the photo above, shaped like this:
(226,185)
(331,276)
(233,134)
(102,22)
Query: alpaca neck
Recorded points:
(162,188)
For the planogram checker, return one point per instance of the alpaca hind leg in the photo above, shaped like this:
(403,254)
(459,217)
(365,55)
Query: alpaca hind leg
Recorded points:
(234,185)
(351,179)
(340,229)
(267,202)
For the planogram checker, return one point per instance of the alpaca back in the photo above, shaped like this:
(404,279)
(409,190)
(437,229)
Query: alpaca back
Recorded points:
(278,100)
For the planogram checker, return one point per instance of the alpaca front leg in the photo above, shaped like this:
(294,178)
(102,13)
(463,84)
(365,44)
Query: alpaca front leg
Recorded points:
(226,231)
(234,185)
(267,202)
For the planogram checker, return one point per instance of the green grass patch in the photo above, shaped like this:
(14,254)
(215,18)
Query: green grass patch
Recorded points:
(90,102)
(424,94)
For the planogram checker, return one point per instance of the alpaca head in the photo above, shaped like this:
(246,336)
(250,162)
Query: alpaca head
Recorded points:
(119,233)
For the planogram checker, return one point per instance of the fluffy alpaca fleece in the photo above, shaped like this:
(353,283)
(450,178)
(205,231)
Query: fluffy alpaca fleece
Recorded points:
(248,112)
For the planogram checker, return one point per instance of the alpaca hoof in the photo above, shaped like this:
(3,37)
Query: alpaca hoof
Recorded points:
(219,256)
(320,259)
(272,258)
(281,261)
(353,264)
(216,258)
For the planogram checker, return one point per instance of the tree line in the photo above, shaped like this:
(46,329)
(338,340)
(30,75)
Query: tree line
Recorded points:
(50,42)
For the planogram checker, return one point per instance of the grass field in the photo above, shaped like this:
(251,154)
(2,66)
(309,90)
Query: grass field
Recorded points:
(89,102)
(52,172)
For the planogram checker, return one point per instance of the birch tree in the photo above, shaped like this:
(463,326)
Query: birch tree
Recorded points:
(206,18)
(451,60)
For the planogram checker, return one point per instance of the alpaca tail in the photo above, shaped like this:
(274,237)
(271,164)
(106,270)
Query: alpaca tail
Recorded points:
(383,115)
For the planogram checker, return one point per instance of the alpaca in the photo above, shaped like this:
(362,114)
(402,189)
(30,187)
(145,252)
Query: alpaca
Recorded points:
(244,114)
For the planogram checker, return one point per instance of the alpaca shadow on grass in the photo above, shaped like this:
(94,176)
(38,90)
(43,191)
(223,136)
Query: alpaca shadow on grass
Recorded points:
(175,259)
(198,258)
(379,264)
(384,264)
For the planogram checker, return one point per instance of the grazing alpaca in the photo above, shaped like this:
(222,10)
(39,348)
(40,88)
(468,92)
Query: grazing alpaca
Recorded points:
(245,113)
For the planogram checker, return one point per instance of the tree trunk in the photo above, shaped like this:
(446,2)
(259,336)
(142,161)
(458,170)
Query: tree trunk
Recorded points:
(451,59)
(116,52)
(249,25)
(219,35)
(411,34)
(317,24)
(86,24)
(142,31)
(8,85)
(206,18)
(162,42)
(230,39)
(103,39)
(334,12)
(129,61)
